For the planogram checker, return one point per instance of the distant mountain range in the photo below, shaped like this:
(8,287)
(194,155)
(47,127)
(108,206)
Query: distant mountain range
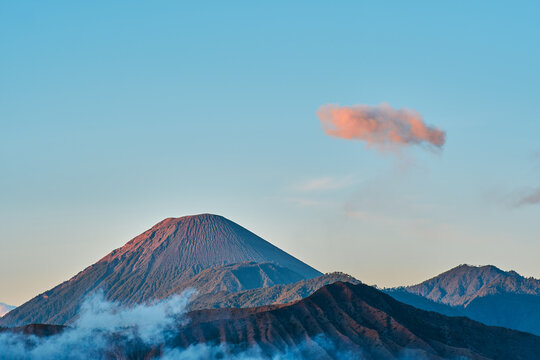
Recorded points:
(5,308)
(191,251)
(482,293)
(252,294)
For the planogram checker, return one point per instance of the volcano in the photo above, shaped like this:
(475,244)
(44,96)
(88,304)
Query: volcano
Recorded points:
(158,263)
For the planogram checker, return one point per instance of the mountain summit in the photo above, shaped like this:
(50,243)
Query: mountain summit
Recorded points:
(483,293)
(458,286)
(158,263)
(199,242)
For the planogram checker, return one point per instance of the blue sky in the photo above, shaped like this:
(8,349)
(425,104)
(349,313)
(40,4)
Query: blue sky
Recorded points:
(115,115)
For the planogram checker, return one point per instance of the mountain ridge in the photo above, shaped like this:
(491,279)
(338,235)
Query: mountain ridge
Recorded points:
(338,321)
(483,293)
(262,296)
(356,319)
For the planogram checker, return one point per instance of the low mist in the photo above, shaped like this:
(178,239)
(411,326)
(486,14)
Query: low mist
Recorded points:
(108,330)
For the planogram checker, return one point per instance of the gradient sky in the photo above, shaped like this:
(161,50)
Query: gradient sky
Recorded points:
(115,115)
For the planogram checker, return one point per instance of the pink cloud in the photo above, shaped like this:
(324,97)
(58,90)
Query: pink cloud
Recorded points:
(379,125)
(530,199)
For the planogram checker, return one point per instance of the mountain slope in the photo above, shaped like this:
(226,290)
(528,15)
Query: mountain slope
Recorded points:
(277,294)
(343,318)
(200,242)
(484,293)
(240,277)
(339,321)
(457,286)
(155,264)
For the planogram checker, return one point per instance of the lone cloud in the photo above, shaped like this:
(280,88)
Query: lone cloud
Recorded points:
(532,198)
(379,126)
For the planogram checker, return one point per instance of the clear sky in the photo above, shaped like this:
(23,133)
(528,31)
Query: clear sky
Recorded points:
(116,114)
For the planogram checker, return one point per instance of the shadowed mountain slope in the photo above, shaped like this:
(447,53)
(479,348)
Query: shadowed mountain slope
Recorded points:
(339,321)
(359,321)
(457,286)
(483,293)
(240,277)
(158,262)
(277,294)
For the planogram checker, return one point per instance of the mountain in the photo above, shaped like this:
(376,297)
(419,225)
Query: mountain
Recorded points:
(483,293)
(338,321)
(252,284)
(459,285)
(277,294)
(5,308)
(159,262)
(343,317)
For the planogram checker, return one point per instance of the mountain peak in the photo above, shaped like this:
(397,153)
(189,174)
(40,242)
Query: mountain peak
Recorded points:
(480,268)
(189,218)
(156,263)
(458,285)
(483,293)
(202,241)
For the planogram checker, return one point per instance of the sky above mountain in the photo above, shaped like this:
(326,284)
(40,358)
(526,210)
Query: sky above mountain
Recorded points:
(115,116)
